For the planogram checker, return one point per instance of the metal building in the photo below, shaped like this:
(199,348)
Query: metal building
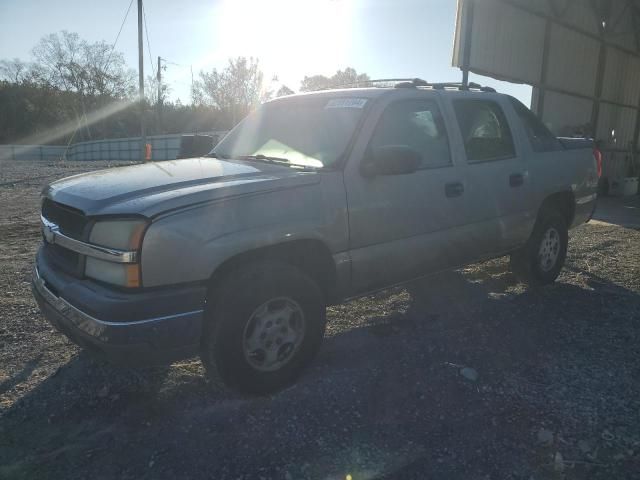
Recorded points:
(582,58)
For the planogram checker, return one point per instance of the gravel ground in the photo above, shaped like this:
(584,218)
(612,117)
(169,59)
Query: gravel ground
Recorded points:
(466,375)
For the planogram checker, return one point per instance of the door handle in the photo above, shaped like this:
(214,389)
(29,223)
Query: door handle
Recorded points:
(454,189)
(516,180)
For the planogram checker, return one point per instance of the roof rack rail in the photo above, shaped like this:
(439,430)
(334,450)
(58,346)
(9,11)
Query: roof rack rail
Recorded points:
(414,83)
(417,82)
(372,83)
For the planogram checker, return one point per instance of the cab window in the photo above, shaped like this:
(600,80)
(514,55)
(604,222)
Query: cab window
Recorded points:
(485,131)
(418,125)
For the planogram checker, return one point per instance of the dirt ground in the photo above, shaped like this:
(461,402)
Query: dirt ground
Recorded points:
(557,393)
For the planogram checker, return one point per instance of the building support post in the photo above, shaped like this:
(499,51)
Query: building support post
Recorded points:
(468,31)
(595,112)
(542,90)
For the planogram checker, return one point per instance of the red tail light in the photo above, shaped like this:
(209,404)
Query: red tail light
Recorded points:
(597,154)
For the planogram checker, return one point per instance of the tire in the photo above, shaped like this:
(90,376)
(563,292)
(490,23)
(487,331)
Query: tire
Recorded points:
(265,324)
(540,261)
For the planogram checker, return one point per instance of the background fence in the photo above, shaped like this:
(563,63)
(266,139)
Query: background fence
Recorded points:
(163,147)
(31,152)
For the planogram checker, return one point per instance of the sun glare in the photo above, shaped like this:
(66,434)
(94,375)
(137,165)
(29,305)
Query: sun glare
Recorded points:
(292,38)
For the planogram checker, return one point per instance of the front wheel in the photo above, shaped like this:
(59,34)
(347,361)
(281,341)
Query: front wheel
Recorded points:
(265,325)
(540,261)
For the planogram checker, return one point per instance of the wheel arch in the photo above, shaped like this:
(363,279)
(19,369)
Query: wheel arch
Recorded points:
(312,256)
(563,202)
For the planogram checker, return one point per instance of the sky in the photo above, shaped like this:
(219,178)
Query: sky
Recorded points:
(291,38)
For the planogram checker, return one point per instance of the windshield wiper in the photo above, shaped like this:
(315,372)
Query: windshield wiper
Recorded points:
(276,160)
(215,155)
(264,158)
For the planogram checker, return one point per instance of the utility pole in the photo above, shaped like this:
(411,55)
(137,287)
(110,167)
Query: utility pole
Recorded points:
(159,78)
(143,136)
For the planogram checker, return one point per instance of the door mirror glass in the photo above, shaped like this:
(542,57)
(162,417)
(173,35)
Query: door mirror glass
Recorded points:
(391,160)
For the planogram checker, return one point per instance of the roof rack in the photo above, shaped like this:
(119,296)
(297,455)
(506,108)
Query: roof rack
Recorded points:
(418,82)
(415,83)
(378,82)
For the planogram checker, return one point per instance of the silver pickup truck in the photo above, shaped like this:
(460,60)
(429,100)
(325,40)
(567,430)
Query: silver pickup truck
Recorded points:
(311,200)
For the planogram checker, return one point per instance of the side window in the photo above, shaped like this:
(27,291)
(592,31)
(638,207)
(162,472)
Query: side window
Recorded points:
(417,125)
(541,139)
(484,129)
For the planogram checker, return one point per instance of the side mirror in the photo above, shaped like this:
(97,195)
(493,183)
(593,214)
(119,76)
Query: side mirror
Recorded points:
(391,160)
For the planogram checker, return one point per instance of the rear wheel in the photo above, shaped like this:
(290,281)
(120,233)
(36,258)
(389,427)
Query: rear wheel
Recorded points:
(540,261)
(266,323)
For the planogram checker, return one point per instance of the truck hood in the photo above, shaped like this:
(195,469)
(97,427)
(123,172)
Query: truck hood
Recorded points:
(152,188)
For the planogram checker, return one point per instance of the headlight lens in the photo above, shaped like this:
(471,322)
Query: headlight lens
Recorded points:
(121,235)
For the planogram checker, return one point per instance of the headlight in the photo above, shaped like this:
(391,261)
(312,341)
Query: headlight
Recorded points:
(123,235)
(119,234)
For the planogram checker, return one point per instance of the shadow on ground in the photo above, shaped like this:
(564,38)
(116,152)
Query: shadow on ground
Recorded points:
(623,211)
(384,399)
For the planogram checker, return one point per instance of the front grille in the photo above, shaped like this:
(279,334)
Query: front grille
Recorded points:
(72,223)
(63,259)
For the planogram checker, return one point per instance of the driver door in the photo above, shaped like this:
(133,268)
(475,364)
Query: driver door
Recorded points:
(400,225)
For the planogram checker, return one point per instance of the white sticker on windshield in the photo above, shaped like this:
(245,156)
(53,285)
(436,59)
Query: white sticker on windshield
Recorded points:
(346,103)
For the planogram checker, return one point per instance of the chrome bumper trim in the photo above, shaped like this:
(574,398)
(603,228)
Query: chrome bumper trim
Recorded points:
(53,235)
(85,322)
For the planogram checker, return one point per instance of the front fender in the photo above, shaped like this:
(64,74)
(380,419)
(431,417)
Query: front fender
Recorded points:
(189,245)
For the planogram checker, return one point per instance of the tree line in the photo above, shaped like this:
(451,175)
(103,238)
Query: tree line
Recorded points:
(72,90)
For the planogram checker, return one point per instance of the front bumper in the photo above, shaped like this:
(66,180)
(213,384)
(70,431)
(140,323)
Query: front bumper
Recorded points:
(134,339)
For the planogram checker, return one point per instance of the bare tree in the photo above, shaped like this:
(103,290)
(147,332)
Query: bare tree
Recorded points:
(69,63)
(151,90)
(341,79)
(97,75)
(15,70)
(235,90)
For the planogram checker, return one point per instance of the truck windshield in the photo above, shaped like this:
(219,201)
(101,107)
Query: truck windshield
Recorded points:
(312,132)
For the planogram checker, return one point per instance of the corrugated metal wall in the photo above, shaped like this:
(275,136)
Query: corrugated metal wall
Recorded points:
(621,78)
(573,61)
(566,114)
(512,47)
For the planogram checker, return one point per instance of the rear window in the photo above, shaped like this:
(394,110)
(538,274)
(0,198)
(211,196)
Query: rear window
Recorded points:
(484,130)
(540,138)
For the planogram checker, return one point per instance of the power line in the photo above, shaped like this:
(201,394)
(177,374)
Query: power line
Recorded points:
(146,31)
(172,63)
(118,36)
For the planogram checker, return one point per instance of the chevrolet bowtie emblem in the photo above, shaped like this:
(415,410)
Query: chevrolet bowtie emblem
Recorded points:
(49,230)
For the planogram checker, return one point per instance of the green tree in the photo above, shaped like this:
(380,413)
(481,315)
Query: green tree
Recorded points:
(283,91)
(236,90)
(346,78)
